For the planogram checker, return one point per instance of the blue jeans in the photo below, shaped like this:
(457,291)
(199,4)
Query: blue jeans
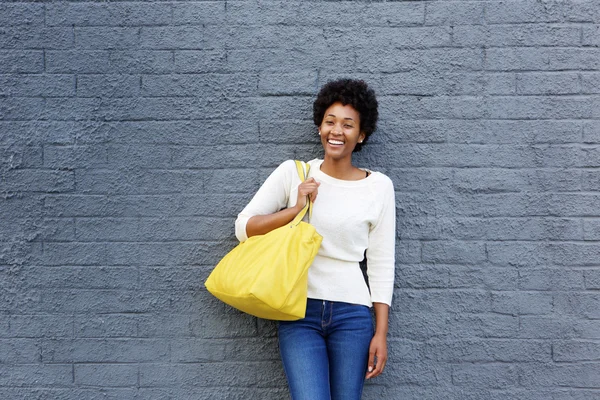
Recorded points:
(325,354)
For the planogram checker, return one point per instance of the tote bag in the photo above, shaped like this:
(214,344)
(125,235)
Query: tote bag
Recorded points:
(267,275)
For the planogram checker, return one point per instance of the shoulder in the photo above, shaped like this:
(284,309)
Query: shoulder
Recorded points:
(381,181)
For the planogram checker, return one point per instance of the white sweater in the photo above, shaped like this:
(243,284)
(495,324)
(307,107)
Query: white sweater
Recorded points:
(352,216)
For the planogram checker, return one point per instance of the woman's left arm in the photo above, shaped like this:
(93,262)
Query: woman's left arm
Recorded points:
(380,269)
(378,347)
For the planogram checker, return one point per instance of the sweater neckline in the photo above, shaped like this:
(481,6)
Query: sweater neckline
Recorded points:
(317,173)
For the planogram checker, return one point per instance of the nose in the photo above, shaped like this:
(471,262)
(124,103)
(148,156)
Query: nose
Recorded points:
(337,129)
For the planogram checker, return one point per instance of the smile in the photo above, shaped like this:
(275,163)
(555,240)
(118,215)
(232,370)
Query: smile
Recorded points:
(335,142)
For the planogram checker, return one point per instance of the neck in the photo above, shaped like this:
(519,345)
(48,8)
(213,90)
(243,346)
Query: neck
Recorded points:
(339,169)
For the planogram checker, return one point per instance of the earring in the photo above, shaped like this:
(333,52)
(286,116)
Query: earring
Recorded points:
(319,132)
(360,141)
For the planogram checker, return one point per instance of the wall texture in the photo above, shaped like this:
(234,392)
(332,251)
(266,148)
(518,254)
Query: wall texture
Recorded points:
(132,133)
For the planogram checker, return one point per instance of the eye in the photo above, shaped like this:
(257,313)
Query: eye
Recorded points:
(348,126)
(329,122)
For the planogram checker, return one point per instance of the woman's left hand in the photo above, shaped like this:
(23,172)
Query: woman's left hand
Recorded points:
(377,355)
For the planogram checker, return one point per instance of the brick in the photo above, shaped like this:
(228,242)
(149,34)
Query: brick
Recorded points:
(208,85)
(581,11)
(200,13)
(418,374)
(515,35)
(408,251)
(70,61)
(139,62)
(105,38)
(541,59)
(590,82)
(37,85)
(453,252)
(69,157)
(55,375)
(590,35)
(272,59)
(82,277)
(268,36)
(39,326)
(120,182)
(487,351)
(106,375)
(199,61)
(575,107)
(591,229)
(92,85)
(295,83)
(39,38)
(232,156)
(164,325)
(190,132)
(105,326)
(140,156)
(104,350)
(19,351)
(498,181)
(70,393)
(522,303)
(410,83)
(169,108)
(548,83)
(260,374)
(172,37)
(456,301)
(296,131)
(203,351)
(99,14)
(506,131)
(548,279)
(488,375)
(225,323)
(571,351)
(190,253)
(556,375)
(519,11)
(12,14)
(454,13)
(586,329)
(170,278)
(442,59)
(579,304)
(490,229)
(393,37)
(30,180)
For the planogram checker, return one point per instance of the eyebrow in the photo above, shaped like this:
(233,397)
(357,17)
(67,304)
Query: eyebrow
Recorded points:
(332,115)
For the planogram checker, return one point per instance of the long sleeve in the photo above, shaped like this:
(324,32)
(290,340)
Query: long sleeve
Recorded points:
(272,196)
(381,249)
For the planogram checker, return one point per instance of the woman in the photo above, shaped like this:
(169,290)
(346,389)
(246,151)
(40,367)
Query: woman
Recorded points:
(329,353)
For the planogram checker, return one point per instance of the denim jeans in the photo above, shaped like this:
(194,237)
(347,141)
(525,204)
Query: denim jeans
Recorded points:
(325,354)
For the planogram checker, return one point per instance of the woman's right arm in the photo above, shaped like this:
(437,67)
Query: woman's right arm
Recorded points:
(261,224)
(267,209)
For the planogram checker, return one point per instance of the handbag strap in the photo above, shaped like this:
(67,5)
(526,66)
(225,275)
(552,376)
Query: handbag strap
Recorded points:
(303,169)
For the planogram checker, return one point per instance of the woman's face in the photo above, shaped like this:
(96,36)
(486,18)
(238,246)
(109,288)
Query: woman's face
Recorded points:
(340,131)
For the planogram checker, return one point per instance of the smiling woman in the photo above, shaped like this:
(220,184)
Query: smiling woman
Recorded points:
(329,353)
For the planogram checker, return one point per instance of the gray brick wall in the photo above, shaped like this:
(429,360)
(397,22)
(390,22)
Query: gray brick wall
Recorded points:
(132,133)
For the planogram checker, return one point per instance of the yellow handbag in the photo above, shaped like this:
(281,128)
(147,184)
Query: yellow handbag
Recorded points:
(267,275)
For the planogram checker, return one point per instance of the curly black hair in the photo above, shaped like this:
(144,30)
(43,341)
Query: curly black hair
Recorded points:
(352,92)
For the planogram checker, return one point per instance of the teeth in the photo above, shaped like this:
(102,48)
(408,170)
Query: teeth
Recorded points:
(335,141)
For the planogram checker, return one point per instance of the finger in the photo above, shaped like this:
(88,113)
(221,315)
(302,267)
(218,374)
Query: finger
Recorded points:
(371,364)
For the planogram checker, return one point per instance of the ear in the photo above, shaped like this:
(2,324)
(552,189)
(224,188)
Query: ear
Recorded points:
(361,137)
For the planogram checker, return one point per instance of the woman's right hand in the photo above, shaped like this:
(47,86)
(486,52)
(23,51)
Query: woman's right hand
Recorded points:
(309,187)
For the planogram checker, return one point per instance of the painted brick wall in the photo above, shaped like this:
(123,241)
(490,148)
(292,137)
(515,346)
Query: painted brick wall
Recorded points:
(132,133)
